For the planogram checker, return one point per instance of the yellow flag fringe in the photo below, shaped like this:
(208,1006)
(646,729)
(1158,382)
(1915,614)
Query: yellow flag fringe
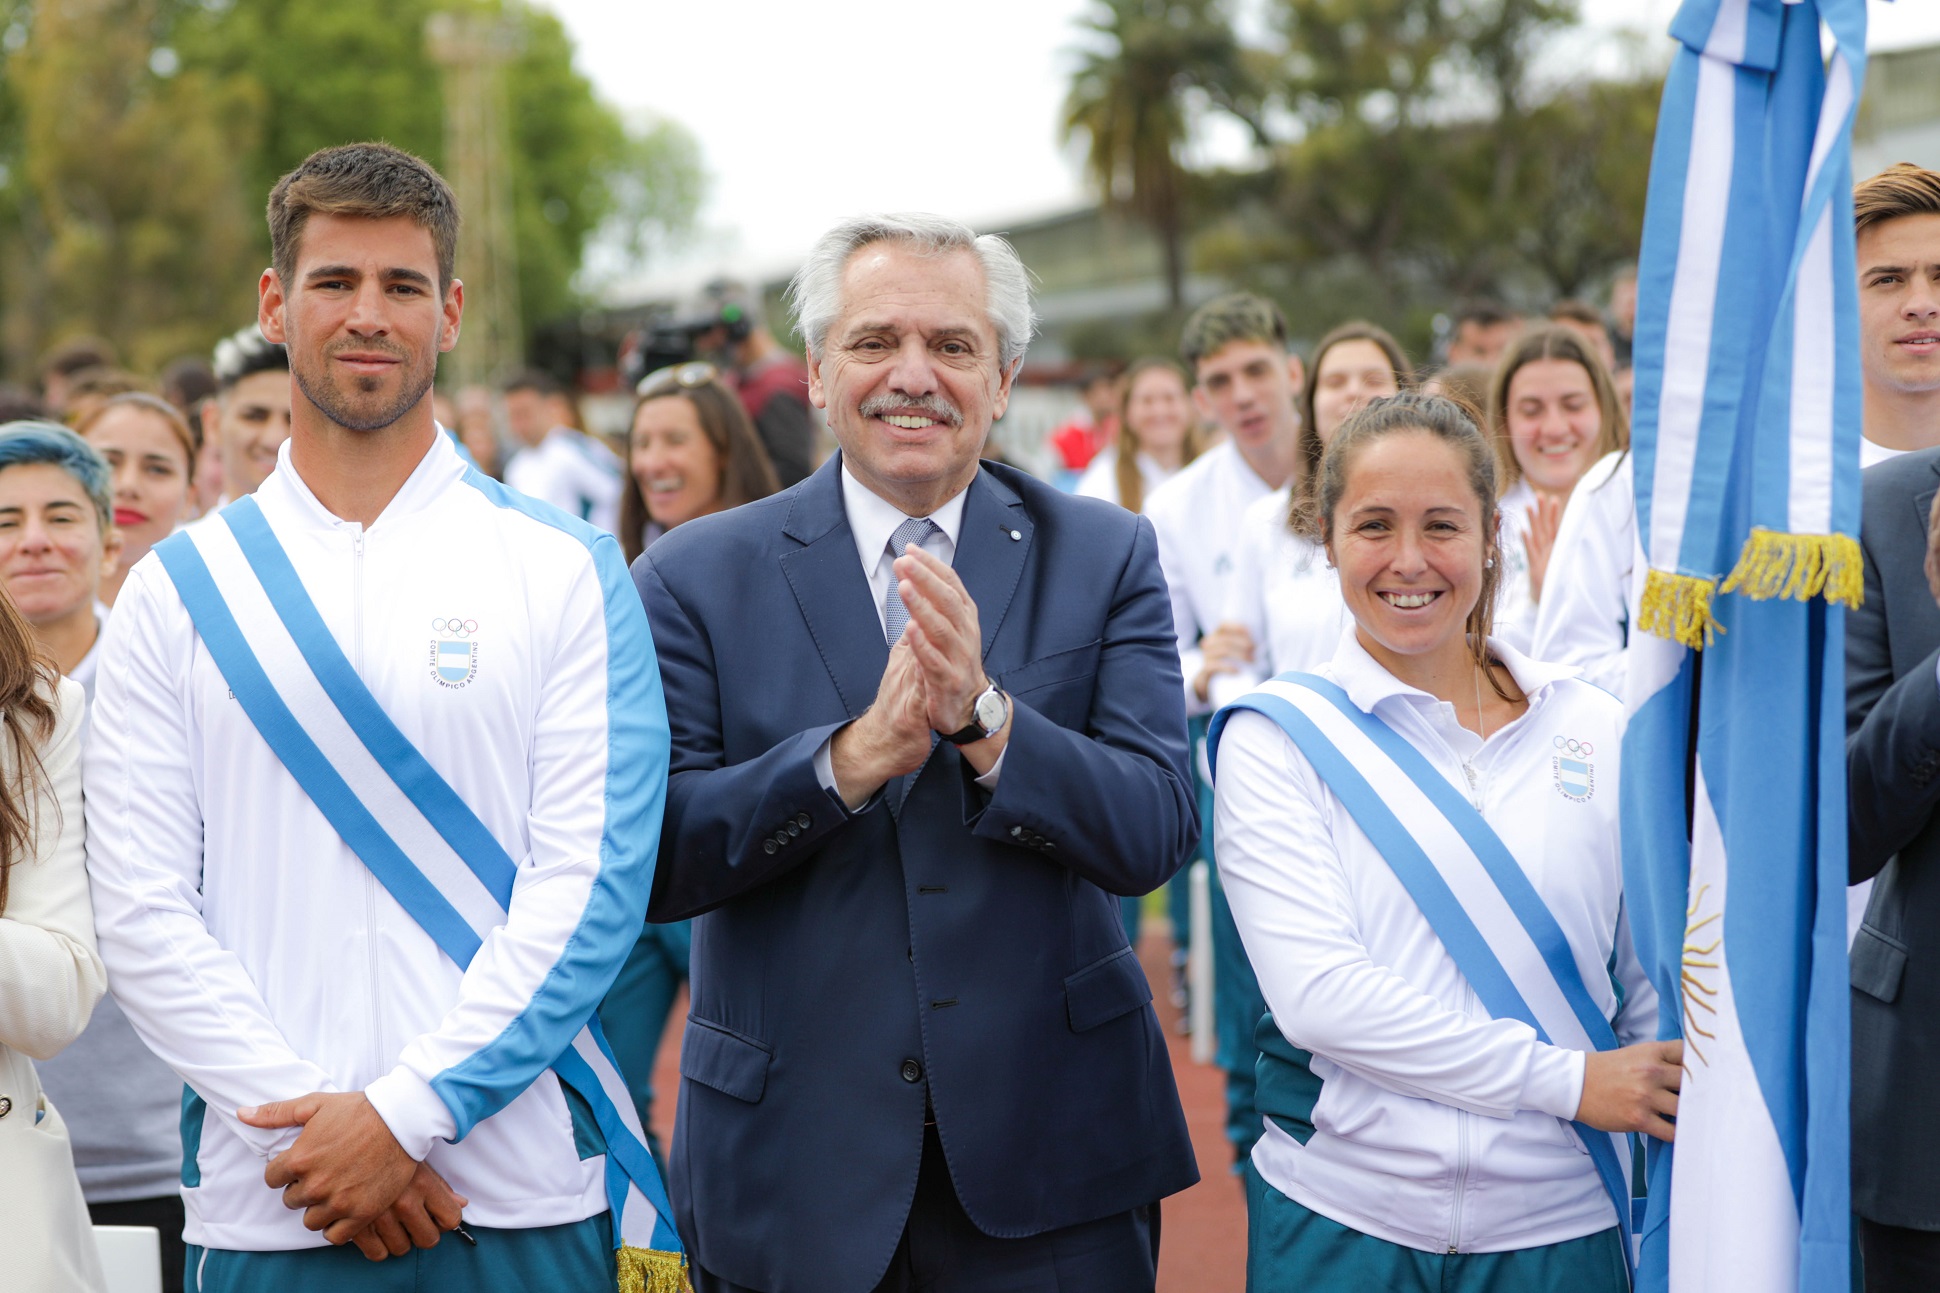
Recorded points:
(645,1270)
(1799,567)
(1678,607)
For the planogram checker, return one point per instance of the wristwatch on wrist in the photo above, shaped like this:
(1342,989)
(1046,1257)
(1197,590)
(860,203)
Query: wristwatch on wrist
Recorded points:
(988,714)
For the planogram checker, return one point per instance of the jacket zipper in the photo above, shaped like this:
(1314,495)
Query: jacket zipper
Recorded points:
(370,881)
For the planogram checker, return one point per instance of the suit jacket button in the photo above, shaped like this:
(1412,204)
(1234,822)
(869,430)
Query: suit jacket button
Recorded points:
(6,1105)
(802,820)
(769,847)
(912,1071)
(793,830)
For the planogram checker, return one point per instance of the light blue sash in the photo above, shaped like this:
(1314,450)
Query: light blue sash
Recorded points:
(1571,1017)
(641,1215)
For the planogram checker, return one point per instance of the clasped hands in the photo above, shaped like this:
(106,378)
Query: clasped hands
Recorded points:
(931,683)
(351,1178)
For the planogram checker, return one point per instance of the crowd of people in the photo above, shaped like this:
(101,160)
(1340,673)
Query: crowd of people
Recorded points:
(430,746)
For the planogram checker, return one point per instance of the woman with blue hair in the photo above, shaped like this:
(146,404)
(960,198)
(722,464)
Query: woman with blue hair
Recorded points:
(57,540)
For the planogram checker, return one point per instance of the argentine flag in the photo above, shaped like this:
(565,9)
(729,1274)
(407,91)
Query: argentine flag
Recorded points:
(1747,477)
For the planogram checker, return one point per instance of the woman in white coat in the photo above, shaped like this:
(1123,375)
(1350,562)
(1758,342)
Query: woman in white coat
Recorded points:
(50,974)
(1422,1133)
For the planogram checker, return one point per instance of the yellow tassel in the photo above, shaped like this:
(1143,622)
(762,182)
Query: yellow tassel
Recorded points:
(1678,607)
(1799,567)
(646,1270)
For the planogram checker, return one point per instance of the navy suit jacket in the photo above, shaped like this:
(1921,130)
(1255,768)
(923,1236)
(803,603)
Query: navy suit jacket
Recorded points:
(1893,789)
(945,943)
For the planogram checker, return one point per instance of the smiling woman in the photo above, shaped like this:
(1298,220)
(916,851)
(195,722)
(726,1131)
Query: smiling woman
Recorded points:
(691,450)
(1340,792)
(57,542)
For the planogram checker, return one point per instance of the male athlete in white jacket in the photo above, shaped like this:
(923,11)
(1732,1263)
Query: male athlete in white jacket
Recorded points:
(342,1068)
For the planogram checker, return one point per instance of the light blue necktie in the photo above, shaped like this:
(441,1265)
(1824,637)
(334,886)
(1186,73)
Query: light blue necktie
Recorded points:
(895,616)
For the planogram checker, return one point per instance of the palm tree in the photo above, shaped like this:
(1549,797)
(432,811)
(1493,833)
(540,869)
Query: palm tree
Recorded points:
(1128,97)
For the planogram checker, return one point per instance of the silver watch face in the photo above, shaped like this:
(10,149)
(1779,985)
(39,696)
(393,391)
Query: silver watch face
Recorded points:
(991,711)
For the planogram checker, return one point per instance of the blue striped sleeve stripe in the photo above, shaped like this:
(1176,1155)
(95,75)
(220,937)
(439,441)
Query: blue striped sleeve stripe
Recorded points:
(634,799)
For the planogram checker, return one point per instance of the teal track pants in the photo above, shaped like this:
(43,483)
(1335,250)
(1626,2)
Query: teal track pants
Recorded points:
(1293,1249)
(574,1258)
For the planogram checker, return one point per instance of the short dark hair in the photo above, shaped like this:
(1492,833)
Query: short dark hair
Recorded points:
(1574,311)
(1484,314)
(188,381)
(18,404)
(75,354)
(374,181)
(246,351)
(1239,316)
(536,380)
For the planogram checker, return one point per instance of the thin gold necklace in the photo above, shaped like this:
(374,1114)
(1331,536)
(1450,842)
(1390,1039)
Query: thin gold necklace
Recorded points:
(1479,721)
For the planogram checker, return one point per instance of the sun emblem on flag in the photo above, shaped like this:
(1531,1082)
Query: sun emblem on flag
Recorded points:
(1575,774)
(1700,964)
(454,651)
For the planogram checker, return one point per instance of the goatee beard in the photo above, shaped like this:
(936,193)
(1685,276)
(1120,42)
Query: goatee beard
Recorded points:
(330,403)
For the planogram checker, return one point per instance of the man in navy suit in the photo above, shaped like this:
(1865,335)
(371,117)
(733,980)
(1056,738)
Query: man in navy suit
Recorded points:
(927,726)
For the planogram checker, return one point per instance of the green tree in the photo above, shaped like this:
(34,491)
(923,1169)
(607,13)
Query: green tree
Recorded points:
(121,214)
(1412,152)
(1130,99)
(139,140)
(360,69)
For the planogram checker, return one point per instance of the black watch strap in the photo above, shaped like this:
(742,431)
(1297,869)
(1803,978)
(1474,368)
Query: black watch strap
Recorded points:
(976,731)
(967,735)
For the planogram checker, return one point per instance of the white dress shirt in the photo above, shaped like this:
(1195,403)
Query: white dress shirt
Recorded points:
(1871,454)
(872,521)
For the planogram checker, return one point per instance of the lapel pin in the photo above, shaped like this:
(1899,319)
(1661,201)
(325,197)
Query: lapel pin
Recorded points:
(1016,535)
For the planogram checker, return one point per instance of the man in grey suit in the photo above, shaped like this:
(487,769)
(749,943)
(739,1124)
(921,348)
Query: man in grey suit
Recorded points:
(1893,721)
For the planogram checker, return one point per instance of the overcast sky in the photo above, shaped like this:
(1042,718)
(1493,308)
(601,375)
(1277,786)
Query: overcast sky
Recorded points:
(807,112)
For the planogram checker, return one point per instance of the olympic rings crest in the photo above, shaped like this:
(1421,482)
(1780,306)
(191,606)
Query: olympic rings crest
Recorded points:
(455,626)
(1573,747)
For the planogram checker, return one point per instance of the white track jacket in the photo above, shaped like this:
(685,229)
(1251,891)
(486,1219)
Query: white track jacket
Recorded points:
(255,953)
(1436,1126)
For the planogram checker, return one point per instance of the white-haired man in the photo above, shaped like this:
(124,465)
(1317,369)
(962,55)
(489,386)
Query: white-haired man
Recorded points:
(927,720)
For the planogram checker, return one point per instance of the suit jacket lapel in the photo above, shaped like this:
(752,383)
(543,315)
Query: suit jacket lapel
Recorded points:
(826,577)
(991,547)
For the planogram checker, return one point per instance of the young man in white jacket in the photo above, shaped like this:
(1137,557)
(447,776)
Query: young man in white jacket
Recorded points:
(346,1075)
(1245,380)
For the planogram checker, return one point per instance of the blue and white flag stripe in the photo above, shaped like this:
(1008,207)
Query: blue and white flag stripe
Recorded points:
(1734,863)
(405,836)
